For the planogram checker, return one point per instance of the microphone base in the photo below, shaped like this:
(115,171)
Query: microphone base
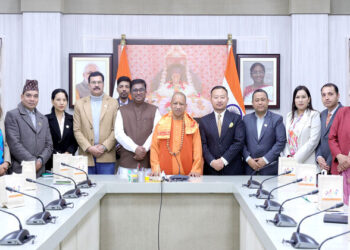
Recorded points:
(179,177)
(263,194)
(86,184)
(252,184)
(282,220)
(41,218)
(270,205)
(72,194)
(300,240)
(59,204)
(18,237)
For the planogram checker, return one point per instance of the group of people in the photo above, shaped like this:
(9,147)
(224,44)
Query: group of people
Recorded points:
(129,133)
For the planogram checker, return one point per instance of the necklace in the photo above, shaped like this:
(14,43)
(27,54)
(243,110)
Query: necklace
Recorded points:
(182,140)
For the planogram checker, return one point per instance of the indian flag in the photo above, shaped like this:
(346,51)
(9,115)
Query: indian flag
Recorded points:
(231,82)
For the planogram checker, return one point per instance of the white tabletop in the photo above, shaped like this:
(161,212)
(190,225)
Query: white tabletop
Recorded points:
(50,235)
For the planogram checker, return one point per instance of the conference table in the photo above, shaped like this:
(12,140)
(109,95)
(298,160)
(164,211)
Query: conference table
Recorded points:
(209,212)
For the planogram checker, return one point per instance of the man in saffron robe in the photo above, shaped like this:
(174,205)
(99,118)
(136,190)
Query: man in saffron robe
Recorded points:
(176,142)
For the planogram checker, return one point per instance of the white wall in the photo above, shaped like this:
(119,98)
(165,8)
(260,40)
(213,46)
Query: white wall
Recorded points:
(11,33)
(339,35)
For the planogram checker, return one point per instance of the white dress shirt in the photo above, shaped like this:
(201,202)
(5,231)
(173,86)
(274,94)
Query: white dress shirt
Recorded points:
(125,140)
(61,124)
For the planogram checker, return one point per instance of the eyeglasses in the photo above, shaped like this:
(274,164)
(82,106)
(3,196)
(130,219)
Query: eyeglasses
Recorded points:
(142,90)
(96,82)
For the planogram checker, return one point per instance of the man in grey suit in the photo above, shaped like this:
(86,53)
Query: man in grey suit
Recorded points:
(27,131)
(265,136)
(330,99)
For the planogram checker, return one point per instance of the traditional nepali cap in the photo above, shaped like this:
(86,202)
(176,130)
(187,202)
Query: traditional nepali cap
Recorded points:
(30,85)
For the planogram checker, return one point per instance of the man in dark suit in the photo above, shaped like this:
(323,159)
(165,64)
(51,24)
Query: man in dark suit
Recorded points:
(265,136)
(222,134)
(330,99)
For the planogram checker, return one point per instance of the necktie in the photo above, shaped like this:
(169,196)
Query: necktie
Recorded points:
(219,124)
(328,118)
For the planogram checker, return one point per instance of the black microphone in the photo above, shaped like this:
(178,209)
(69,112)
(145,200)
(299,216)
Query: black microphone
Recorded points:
(330,238)
(253,184)
(70,194)
(282,220)
(18,237)
(56,204)
(41,218)
(84,184)
(261,193)
(300,240)
(178,177)
(270,205)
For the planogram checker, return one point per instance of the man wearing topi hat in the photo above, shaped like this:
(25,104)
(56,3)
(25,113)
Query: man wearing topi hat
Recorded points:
(27,131)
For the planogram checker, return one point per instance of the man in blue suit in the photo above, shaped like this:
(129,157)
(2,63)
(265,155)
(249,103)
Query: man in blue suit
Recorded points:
(330,99)
(265,136)
(222,134)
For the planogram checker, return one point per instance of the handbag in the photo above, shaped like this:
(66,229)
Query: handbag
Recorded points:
(10,199)
(29,171)
(287,164)
(330,190)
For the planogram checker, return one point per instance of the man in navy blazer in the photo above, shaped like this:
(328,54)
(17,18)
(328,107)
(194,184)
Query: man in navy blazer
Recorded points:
(330,99)
(265,136)
(222,134)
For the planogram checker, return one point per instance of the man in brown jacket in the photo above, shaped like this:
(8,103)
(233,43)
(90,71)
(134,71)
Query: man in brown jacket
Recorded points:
(93,126)
(134,127)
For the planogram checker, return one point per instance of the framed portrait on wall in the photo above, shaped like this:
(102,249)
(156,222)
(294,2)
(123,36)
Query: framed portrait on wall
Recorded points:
(81,66)
(259,71)
(193,67)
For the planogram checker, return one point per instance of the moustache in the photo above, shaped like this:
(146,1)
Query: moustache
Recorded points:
(97,88)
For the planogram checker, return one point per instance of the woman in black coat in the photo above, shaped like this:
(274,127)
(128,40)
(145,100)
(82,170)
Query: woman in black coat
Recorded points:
(61,126)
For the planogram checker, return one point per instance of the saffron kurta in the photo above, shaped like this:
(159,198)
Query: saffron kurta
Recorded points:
(190,157)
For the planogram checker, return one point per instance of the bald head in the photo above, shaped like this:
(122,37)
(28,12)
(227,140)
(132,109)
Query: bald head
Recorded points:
(89,68)
(178,105)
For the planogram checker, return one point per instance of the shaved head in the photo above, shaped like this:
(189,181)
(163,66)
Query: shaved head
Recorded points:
(178,94)
(178,105)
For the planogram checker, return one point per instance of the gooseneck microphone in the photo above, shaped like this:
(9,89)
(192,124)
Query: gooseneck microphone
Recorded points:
(282,220)
(70,194)
(270,205)
(253,184)
(56,204)
(84,184)
(178,177)
(18,237)
(330,238)
(300,240)
(41,218)
(263,194)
